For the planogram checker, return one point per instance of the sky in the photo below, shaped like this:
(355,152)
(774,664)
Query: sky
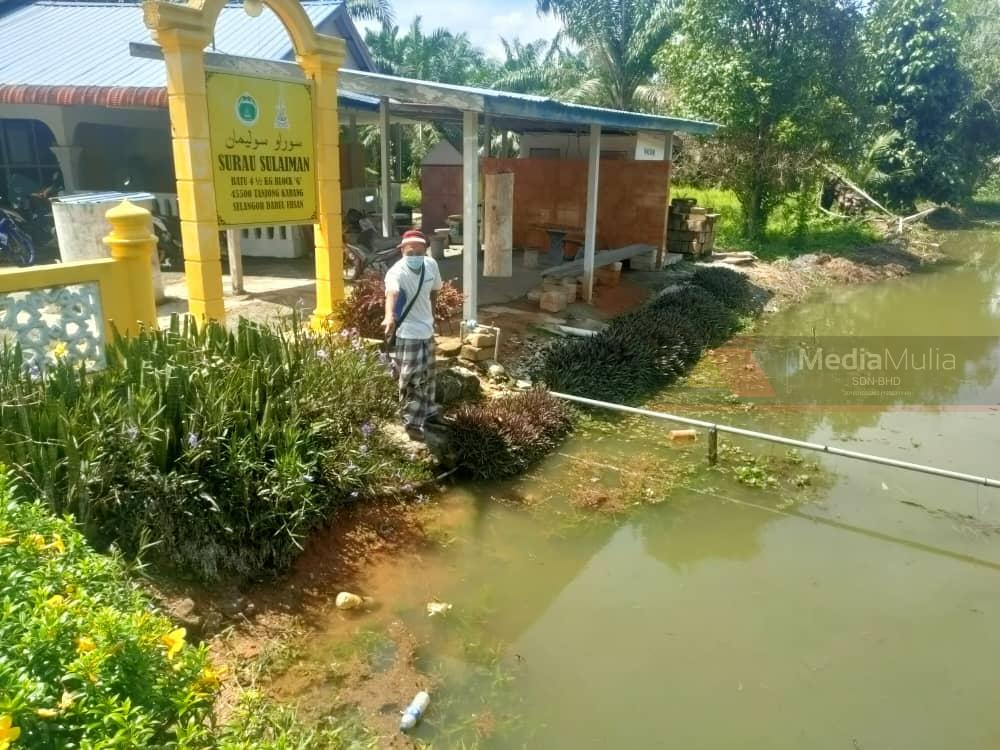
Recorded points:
(484,21)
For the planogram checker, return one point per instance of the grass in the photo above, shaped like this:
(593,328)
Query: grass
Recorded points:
(782,239)
(985,205)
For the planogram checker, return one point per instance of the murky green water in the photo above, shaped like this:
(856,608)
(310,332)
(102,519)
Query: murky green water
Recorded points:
(860,612)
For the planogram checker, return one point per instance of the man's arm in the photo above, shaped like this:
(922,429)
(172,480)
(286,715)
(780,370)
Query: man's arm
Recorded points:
(389,321)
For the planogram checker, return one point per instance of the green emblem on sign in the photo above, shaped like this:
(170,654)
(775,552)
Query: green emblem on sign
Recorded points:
(247,110)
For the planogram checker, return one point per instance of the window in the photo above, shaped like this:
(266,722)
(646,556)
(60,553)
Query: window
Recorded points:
(26,163)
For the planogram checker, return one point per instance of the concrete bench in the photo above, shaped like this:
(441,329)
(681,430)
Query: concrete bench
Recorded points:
(603,258)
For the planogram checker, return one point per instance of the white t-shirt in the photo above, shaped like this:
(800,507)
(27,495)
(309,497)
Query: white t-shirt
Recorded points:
(419,322)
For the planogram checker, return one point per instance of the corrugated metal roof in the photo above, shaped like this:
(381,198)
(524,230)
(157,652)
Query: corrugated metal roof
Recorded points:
(516,111)
(52,43)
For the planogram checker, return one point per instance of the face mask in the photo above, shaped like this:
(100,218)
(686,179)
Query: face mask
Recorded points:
(414,262)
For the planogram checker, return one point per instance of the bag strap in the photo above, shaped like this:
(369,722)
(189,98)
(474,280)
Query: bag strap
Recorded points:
(413,299)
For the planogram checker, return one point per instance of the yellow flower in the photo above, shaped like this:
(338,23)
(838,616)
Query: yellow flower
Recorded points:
(55,601)
(209,679)
(8,732)
(67,700)
(6,540)
(85,644)
(174,641)
(60,350)
(47,713)
(56,544)
(37,541)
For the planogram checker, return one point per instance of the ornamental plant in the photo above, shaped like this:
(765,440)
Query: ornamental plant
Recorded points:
(365,309)
(215,451)
(84,659)
(647,348)
(504,436)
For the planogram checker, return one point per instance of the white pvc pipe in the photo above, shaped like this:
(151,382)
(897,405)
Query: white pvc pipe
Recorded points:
(833,451)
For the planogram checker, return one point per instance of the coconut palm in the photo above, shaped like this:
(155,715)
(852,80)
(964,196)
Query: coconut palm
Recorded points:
(379,11)
(542,67)
(618,40)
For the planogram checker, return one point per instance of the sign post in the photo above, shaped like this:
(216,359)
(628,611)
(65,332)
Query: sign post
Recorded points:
(250,150)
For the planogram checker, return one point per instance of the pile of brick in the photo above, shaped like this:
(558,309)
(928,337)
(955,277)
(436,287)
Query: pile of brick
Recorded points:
(479,346)
(690,228)
(554,295)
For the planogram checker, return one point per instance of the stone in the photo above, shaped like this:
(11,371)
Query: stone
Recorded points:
(524,385)
(530,259)
(448,346)
(644,262)
(447,388)
(475,354)
(535,295)
(497,371)
(554,301)
(481,340)
(608,276)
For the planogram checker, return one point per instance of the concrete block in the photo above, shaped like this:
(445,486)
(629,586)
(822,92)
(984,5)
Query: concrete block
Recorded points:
(608,276)
(474,354)
(670,258)
(553,301)
(530,259)
(535,295)
(481,340)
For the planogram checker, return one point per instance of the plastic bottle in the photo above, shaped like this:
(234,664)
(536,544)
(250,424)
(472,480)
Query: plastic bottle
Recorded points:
(414,711)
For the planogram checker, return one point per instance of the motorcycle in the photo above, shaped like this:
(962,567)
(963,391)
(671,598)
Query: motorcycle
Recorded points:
(16,246)
(365,248)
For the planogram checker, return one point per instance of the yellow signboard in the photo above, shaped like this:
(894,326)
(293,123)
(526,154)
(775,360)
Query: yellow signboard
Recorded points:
(263,159)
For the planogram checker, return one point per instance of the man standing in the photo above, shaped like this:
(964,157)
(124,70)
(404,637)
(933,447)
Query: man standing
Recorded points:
(411,288)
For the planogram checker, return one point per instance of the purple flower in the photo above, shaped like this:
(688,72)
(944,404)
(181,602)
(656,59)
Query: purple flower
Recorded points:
(34,371)
(367,429)
(363,449)
(193,440)
(323,354)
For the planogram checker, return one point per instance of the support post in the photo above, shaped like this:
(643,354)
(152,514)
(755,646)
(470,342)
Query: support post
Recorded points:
(590,230)
(668,154)
(713,445)
(133,243)
(505,145)
(235,260)
(470,209)
(323,67)
(487,136)
(188,105)
(384,174)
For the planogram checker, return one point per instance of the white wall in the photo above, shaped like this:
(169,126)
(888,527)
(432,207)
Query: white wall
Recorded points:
(575,147)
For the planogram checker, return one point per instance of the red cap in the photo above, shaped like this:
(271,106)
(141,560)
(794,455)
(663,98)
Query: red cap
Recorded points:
(413,236)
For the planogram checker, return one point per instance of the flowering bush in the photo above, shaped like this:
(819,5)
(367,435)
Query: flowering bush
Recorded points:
(365,309)
(84,660)
(220,449)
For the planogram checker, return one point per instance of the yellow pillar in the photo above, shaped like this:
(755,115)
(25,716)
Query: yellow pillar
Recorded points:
(132,243)
(322,66)
(182,50)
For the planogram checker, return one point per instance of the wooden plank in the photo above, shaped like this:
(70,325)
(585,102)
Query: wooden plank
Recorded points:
(498,238)
(605,258)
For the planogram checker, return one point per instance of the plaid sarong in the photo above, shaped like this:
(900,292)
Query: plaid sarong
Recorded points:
(414,369)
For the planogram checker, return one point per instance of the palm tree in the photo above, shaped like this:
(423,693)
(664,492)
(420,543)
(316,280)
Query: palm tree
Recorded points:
(548,68)
(619,40)
(379,11)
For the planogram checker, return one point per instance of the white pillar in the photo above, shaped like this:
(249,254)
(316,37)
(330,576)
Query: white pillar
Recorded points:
(488,139)
(668,155)
(590,230)
(383,126)
(235,260)
(470,209)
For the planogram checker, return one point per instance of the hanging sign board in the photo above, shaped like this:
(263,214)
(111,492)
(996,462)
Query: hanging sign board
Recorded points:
(650,147)
(263,157)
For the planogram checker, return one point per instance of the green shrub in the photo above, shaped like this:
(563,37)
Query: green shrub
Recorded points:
(410,194)
(84,660)
(222,449)
(730,287)
(503,436)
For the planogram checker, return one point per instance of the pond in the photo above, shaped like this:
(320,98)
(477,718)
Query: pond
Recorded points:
(838,605)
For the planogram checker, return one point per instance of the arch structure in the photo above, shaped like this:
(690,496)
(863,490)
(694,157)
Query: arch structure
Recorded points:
(183,31)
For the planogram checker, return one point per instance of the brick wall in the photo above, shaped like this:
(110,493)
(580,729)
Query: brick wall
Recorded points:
(631,207)
(441,189)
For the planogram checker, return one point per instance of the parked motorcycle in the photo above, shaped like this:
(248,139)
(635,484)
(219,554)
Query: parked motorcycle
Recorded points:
(365,248)
(16,246)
